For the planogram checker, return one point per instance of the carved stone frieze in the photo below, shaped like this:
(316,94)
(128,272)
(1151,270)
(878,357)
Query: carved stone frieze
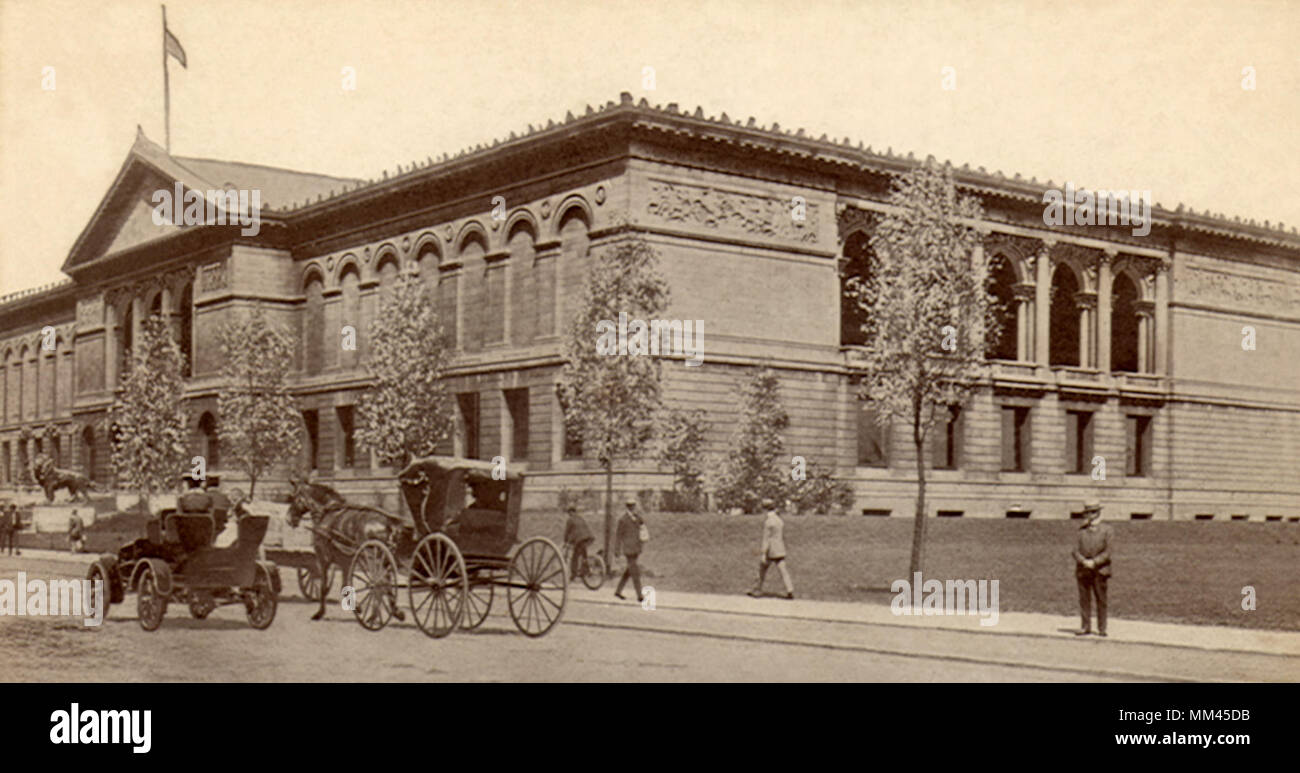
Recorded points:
(1234,291)
(213,277)
(740,213)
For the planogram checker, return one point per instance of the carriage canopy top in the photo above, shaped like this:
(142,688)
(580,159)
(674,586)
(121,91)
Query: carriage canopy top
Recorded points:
(474,502)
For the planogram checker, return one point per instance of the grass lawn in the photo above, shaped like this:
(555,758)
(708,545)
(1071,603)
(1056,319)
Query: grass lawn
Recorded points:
(1191,572)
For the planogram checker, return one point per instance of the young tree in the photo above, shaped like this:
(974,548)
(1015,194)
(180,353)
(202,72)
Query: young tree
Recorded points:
(755,468)
(149,414)
(408,410)
(258,420)
(927,311)
(612,397)
(682,449)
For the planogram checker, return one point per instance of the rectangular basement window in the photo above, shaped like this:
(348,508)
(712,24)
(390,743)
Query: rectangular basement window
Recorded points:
(1018,513)
(1205,516)
(951,513)
(1139,516)
(876,511)
(1272,517)
(1240,517)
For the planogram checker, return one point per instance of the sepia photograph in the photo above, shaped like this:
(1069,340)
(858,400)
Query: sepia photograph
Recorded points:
(744,342)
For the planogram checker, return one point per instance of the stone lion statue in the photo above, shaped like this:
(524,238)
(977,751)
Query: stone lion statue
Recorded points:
(52,479)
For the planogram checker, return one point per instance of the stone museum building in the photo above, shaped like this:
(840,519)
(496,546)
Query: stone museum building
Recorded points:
(1174,356)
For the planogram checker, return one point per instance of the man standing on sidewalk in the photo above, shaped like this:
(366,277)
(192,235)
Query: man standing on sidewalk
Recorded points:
(772,551)
(1092,567)
(15,526)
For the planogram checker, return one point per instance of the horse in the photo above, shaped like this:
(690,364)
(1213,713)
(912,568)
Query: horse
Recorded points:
(339,529)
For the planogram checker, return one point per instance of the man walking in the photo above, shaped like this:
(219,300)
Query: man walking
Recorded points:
(772,551)
(1092,567)
(628,543)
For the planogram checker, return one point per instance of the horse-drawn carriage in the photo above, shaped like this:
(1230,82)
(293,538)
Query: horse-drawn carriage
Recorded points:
(178,562)
(459,544)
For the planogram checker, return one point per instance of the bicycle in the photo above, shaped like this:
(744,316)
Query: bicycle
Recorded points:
(592,570)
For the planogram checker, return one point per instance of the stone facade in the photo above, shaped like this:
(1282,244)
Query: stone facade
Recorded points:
(1118,347)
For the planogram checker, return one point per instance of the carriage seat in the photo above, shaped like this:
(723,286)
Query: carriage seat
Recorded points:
(191,530)
(480,530)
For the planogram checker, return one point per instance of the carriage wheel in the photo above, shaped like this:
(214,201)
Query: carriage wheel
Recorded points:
(260,601)
(99,574)
(438,585)
(150,604)
(372,575)
(595,574)
(310,584)
(478,602)
(537,587)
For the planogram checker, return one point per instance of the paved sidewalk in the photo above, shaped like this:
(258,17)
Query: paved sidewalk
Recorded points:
(52,556)
(1206,637)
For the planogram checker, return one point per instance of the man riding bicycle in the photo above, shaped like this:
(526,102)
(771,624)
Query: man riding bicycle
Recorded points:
(579,536)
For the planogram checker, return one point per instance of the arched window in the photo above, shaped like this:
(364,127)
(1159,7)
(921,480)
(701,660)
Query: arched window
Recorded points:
(24,395)
(1064,338)
(155,306)
(574,244)
(350,283)
(856,266)
(1124,328)
(1002,345)
(387,275)
(472,268)
(88,453)
(523,301)
(125,336)
(4,389)
(427,262)
(314,325)
(209,445)
(39,397)
(185,330)
(51,362)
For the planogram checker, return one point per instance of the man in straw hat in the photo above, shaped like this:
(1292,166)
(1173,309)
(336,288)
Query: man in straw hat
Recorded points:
(1092,567)
(772,550)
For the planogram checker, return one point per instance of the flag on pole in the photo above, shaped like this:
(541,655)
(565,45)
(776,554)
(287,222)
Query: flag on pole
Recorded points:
(173,46)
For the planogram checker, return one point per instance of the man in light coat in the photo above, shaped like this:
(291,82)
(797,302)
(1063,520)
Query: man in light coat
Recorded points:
(772,551)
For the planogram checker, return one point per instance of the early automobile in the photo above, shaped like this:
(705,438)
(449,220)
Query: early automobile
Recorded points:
(177,561)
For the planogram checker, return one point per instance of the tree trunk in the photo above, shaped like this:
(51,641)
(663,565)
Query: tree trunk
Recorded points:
(609,518)
(918,529)
(252,484)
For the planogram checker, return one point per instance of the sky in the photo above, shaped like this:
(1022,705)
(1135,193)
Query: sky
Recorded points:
(1144,96)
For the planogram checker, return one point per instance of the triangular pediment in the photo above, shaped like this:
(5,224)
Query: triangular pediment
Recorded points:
(125,218)
(138,225)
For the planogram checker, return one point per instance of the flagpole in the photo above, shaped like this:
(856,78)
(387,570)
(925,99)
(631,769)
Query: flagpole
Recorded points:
(167,94)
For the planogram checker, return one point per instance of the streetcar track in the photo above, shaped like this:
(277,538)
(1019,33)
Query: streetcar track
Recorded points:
(942,629)
(967,659)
